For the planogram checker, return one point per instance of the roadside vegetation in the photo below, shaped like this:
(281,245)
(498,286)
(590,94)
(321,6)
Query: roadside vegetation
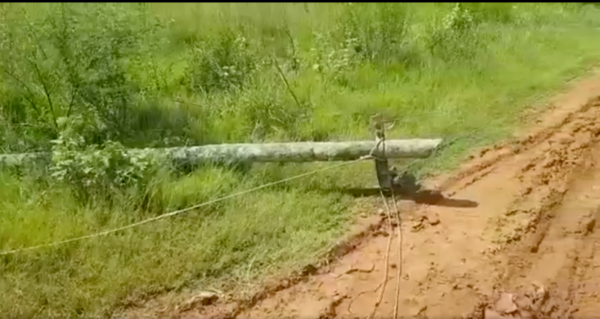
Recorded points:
(99,78)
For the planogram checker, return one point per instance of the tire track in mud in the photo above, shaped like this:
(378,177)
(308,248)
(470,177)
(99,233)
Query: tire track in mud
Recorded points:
(562,108)
(537,202)
(553,221)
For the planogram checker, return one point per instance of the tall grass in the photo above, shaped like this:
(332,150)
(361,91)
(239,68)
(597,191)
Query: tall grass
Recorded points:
(100,77)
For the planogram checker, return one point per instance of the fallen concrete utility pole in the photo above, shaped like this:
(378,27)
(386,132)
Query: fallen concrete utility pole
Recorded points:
(270,152)
(303,151)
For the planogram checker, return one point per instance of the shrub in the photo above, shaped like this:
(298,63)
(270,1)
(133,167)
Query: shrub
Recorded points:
(220,63)
(378,33)
(77,60)
(454,37)
(97,171)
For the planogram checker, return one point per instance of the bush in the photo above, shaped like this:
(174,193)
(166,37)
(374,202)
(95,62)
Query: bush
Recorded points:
(378,33)
(76,61)
(220,63)
(97,171)
(453,38)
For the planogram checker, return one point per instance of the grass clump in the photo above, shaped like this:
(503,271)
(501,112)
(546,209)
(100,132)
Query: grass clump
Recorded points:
(99,78)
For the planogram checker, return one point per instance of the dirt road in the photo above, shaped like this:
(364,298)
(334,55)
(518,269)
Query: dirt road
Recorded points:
(516,237)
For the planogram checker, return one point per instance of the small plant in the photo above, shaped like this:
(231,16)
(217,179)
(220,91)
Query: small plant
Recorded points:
(377,33)
(92,169)
(334,59)
(454,37)
(220,64)
(459,20)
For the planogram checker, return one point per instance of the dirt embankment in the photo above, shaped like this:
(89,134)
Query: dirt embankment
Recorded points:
(514,237)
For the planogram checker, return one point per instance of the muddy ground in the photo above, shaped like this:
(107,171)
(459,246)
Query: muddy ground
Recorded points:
(515,237)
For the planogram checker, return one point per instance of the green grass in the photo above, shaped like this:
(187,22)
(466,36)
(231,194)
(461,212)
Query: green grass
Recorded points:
(161,74)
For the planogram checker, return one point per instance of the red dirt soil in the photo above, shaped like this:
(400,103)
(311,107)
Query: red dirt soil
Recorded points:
(515,238)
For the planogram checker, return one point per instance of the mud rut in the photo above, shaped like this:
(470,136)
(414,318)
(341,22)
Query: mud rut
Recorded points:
(520,239)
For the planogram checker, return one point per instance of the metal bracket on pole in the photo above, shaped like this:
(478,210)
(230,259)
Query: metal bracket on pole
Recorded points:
(389,179)
(383,174)
(382,169)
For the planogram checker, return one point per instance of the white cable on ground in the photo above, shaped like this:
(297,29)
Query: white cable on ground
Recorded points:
(400,235)
(110,231)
